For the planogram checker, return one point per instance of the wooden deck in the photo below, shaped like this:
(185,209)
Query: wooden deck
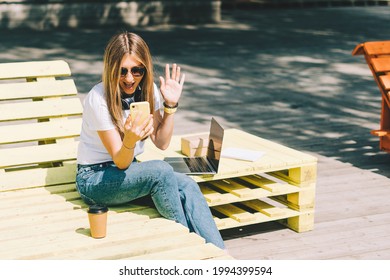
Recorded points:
(352,221)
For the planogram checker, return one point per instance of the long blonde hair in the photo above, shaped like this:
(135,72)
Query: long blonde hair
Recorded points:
(118,46)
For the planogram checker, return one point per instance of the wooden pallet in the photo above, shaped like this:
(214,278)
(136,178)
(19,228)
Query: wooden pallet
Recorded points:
(42,214)
(280,186)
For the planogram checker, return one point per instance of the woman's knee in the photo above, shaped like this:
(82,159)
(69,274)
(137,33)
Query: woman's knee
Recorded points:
(187,186)
(161,168)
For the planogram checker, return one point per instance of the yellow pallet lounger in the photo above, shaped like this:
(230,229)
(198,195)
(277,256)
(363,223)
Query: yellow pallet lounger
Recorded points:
(42,214)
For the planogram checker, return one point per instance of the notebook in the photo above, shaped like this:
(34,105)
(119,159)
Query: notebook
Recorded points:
(202,165)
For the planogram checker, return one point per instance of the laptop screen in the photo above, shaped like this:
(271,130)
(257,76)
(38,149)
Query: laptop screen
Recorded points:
(215,143)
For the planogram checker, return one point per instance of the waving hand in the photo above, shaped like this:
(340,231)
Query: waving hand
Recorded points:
(172,86)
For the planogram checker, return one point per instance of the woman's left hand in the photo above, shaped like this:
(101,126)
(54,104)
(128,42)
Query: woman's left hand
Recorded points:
(172,86)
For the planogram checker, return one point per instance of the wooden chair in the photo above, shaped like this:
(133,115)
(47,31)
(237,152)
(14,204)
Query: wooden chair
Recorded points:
(42,214)
(377,55)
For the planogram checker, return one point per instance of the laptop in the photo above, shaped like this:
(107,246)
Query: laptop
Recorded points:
(202,165)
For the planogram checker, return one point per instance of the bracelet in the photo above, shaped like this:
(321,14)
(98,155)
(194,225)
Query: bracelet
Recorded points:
(123,144)
(170,109)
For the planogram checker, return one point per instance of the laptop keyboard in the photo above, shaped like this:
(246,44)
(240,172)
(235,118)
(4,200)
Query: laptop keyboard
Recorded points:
(197,164)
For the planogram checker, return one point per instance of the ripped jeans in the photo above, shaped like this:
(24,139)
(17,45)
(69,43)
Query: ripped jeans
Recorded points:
(176,196)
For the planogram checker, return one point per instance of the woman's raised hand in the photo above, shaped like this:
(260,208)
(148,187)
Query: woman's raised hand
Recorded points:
(172,86)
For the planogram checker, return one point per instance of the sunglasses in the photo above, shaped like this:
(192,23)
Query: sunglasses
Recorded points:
(136,71)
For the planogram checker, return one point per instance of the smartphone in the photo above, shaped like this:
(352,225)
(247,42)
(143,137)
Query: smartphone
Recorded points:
(136,107)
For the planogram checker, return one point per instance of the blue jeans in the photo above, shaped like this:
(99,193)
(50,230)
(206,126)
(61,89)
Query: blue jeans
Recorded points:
(176,196)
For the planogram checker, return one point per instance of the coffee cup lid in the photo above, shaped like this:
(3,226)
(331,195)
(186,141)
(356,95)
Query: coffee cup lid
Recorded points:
(97,209)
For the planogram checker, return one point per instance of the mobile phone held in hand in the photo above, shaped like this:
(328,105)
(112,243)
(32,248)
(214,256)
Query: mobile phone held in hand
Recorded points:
(143,107)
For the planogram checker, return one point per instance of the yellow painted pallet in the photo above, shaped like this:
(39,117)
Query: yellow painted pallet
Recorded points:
(257,199)
(280,186)
(42,214)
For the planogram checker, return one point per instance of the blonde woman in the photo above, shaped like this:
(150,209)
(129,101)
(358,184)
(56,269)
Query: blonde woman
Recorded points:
(108,173)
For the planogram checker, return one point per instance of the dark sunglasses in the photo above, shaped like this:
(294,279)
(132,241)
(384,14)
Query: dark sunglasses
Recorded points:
(136,71)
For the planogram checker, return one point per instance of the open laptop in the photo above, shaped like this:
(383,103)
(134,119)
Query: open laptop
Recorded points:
(202,165)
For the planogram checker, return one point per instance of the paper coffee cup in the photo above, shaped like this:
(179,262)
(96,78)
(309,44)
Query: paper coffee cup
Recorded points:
(97,216)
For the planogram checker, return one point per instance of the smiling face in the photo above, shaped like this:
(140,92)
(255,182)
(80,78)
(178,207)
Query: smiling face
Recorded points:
(129,79)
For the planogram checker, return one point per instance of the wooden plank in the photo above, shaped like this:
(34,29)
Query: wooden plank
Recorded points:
(218,196)
(75,220)
(50,88)
(385,80)
(210,195)
(137,248)
(265,208)
(22,194)
(377,48)
(37,154)
(122,240)
(380,132)
(41,109)
(235,213)
(359,49)
(62,128)
(42,199)
(127,243)
(197,252)
(381,64)
(231,222)
(37,177)
(55,221)
(35,69)
(273,187)
(233,188)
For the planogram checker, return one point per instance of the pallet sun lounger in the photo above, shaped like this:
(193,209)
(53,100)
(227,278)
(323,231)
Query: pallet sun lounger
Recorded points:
(42,214)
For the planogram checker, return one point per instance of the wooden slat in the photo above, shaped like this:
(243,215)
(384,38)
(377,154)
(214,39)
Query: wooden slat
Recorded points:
(17,133)
(137,247)
(50,88)
(128,233)
(381,64)
(37,154)
(211,195)
(265,208)
(32,197)
(41,109)
(233,188)
(377,48)
(385,80)
(37,177)
(380,132)
(269,185)
(235,213)
(257,217)
(358,50)
(19,70)
(77,219)
(197,252)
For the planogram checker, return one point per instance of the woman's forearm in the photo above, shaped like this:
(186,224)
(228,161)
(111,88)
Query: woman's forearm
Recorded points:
(164,131)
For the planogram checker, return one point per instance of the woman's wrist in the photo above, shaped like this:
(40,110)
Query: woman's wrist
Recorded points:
(128,147)
(169,109)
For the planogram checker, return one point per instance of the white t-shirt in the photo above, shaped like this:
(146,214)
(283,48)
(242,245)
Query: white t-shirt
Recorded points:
(96,117)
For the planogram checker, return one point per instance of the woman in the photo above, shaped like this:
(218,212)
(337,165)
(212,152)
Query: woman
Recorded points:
(108,173)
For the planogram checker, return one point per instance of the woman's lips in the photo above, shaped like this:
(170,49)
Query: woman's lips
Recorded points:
(129,86)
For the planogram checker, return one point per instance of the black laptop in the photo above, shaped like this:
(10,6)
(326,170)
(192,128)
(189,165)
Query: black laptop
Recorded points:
(202,165)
